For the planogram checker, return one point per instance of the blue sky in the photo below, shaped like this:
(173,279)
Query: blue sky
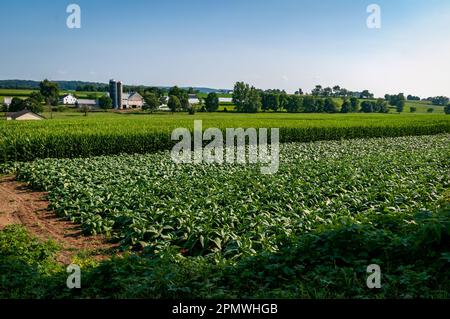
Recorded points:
(268,43)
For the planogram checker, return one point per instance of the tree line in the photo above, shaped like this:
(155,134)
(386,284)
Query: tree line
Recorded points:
(246,98)
(48,93)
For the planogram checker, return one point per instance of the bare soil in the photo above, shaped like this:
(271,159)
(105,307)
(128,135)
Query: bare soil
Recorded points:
(20,205)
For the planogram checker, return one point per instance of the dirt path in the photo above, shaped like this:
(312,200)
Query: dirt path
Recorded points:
(20,205)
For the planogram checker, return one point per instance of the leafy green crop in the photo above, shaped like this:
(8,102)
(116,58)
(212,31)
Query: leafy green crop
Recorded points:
(232,210)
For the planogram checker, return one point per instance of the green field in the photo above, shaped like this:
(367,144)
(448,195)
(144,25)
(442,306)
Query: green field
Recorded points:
(351,190)
(212,231)
(204,95)
(101,133)
(26,93)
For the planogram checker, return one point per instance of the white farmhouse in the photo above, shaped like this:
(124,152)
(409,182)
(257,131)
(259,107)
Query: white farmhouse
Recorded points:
(68,99)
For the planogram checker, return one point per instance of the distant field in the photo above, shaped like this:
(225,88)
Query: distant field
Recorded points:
(81,94)
(204,95)
(8,92)
(25,93)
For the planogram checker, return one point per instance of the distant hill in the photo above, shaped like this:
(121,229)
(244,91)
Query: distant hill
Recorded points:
(210,90)
(84,86)
(30,85)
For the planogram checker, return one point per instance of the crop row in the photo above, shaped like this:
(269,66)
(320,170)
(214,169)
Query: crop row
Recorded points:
(233,210)
(112,136)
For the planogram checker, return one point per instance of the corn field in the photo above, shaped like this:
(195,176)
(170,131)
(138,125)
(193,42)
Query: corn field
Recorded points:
(139,135)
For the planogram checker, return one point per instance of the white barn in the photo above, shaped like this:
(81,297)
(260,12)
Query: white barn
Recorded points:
(69,99)
(132,101)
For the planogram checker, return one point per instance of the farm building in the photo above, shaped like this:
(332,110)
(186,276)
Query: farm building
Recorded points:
(115,93)
(68,99)
(24,115)
(132,101)
(85,102)
(124,100)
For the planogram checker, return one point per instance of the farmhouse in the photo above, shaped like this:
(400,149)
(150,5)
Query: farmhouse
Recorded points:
(68,99)
(24,115)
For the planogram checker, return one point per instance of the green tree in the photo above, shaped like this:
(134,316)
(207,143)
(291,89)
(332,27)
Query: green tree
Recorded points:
(16,105)
(367,106)
(355,105)
(33,105)
(273,101)
(50,92)
(184,101)
(182,96)
(412,98)
(176,91)
(317,91)
(212,102)
(174,103)
(400,106)
(439,100)
(264,101)
(162,100)
(366,94)
(283,100)
(85,109)
(337,91)
(37,96)
(105,102)
(253,103)
(327,92)
(413,109)
(382,106)
(240,95)
(152,102)
(192,110)
(295,104)
(309,104)
(447,109)
(320,105)
(346,106)
(394,99)
(330,105)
